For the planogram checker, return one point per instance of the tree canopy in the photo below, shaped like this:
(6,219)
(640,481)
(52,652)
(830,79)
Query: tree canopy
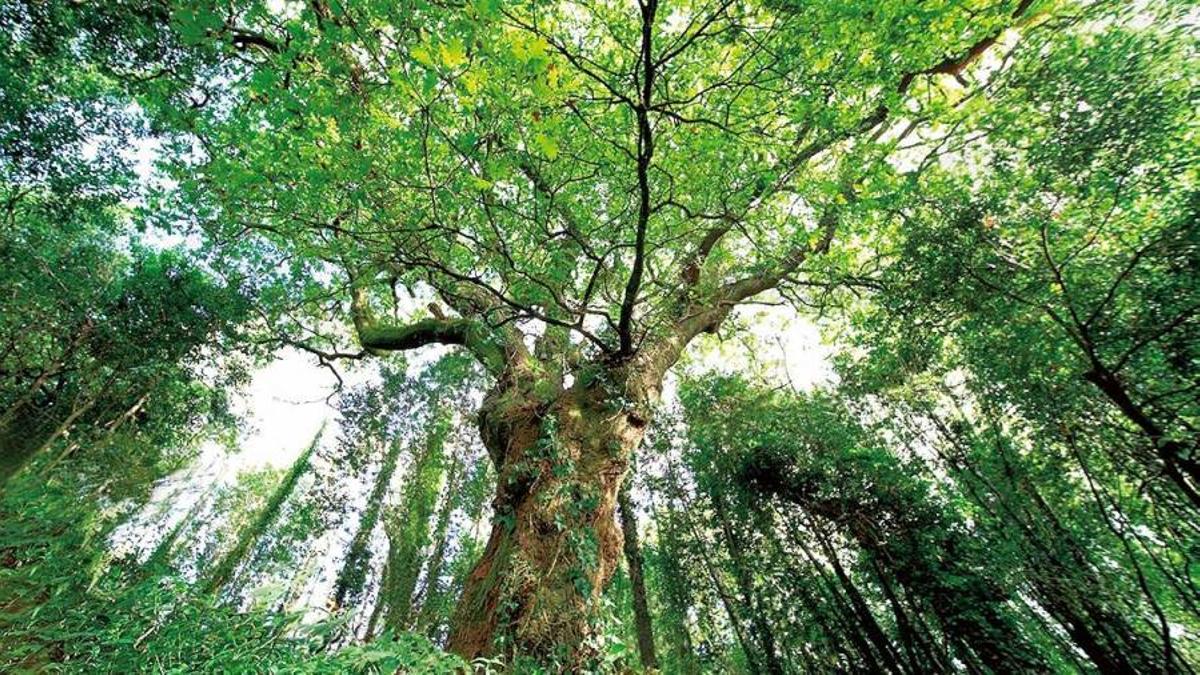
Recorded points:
(524,239)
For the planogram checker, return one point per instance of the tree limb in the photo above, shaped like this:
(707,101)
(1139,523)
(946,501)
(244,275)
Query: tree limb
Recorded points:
(645,154)
(376,337)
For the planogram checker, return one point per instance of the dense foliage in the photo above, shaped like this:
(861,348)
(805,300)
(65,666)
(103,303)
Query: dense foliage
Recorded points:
(554,255)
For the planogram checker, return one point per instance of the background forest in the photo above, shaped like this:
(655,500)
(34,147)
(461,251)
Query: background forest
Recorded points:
(681,336)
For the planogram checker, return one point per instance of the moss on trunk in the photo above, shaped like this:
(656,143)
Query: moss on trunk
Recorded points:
(554,542)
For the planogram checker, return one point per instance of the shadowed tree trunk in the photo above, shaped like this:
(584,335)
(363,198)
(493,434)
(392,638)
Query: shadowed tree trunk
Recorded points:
(974,613)
(23,442)
(1179,461)
(736,546)
(853,605)
(1064,582)
(637,579)
(20,429)
(675,591)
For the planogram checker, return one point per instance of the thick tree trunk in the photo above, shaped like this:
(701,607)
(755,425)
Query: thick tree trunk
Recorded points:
(554,542)
(637,580)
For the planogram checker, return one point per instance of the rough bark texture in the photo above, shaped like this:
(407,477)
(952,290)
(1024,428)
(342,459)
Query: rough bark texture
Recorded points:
(554,542)
(637,580)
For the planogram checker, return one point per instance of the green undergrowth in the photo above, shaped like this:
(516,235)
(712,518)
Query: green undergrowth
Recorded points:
(67,607)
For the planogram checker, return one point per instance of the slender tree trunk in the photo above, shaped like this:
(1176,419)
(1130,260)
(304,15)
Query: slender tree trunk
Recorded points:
(303,573)
(633,558)
(736,548)
(1169,655)
(19,405)
(554,542)
(63,428)
(161,555)
(676,595)
(14,458)
(911,636)
(47,372)
(354,570)
(408,530)
(855,604)
(1064,582)
(842,619)
(437,558)
(223,571)
(112,428)
(727,602)
(1179,460)
(975,613)
(377,610)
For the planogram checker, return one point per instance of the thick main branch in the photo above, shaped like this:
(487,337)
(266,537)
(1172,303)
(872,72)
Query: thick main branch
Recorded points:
(469,333)
(645,154)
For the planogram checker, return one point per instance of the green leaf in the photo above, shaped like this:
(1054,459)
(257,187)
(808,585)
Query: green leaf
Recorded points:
(547,146)
(453,53)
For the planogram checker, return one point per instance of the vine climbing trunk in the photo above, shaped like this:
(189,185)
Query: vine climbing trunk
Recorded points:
(353,574)
(554,542)
(222,572)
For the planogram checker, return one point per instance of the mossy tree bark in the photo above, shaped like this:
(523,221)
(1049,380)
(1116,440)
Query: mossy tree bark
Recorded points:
(554,542)
(561,447)
(561,427)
